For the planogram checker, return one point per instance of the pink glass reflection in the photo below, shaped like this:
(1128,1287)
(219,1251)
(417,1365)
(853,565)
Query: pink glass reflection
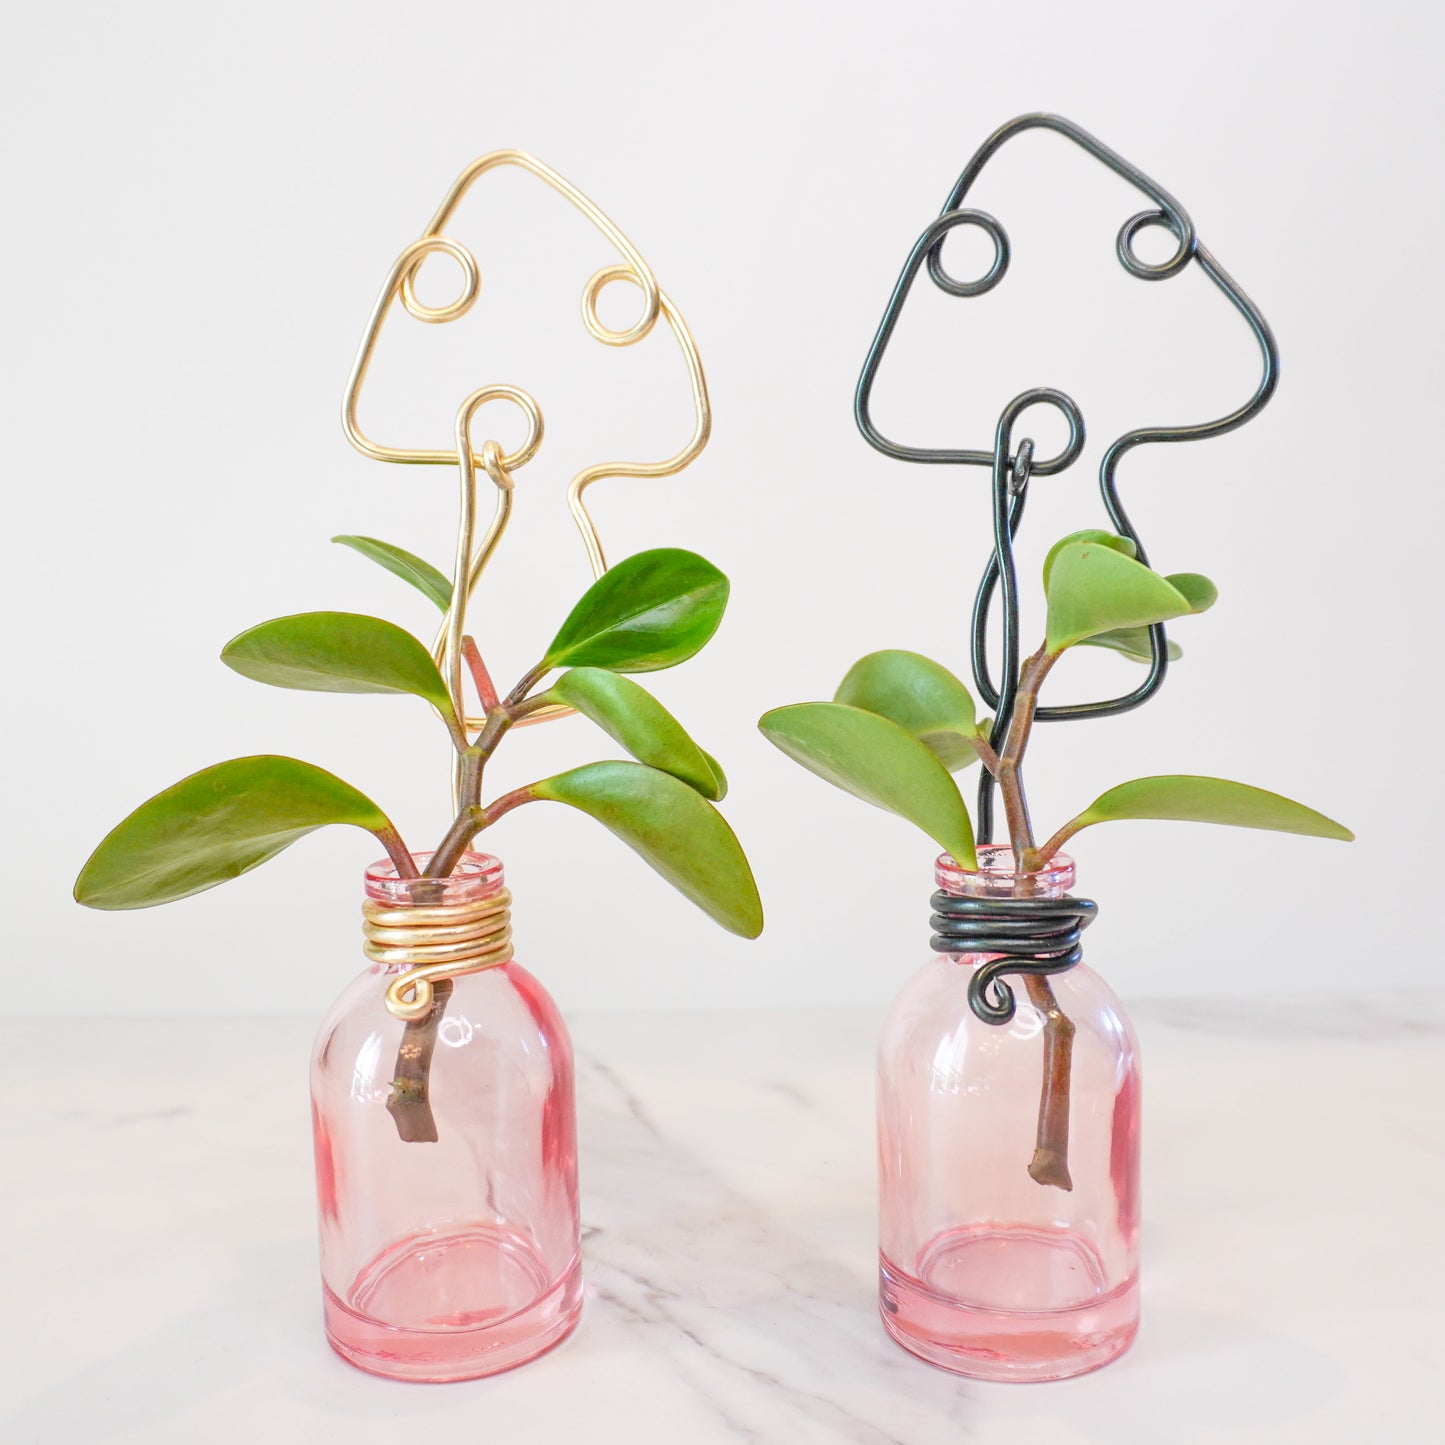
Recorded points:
(460,1257)
(982,1270)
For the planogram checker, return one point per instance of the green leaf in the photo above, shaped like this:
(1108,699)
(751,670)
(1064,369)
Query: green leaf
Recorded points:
(652,610)
(1131,642)
(1092,589)
(921,696)
(636,719)
(215,825)
(337,652)
(1119,544)
(681,835)
(406,565)
(1199,592)
(720,779)
(876,760)
(1187,799)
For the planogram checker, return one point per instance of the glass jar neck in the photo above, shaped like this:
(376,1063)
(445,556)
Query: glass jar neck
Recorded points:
(426,931)
(477,877)
(997,877)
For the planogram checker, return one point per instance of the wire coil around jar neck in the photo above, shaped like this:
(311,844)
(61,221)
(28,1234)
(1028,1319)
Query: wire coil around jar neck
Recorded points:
(1032,936)
(434,943)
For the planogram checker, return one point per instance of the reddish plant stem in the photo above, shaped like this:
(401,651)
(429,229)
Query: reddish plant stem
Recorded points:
(481,678)
(529,680)
(458,839)
(1010,762)
(1058,840)
(397,851)
(986,754)
(499,807)
(409,1103)
(1050,1163)
(523,710)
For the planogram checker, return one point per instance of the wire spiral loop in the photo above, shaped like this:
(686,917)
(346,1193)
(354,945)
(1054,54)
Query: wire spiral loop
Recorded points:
(430,944)
(1032,936)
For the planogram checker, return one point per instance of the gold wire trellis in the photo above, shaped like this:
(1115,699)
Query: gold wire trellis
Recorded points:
(472,556)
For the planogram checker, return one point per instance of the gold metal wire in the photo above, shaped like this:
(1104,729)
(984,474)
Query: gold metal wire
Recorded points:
(435,943)
(472,556)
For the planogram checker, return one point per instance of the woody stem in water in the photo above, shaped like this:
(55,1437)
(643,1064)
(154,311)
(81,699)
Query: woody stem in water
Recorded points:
(410,1101)
(1050,1163)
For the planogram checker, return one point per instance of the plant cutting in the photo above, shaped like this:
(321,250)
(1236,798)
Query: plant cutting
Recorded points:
(651,611)
(901,724)
(1008,1128)
(898,729)
(442,1079)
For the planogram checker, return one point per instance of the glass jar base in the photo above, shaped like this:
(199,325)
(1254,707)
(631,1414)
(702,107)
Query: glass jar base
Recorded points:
(453,1305)
(1010,1303)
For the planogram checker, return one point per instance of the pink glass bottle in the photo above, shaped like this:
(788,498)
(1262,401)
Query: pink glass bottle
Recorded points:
(455,1256)
(983,1270)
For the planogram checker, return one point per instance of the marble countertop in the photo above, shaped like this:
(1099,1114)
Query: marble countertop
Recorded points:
(160,1276)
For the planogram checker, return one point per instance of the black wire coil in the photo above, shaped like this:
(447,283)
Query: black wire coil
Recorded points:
(1034,936)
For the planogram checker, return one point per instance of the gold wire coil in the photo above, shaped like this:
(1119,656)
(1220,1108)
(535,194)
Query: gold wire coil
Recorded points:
(435,943)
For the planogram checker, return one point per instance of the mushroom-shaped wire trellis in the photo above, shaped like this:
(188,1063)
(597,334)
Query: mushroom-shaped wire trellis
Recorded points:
(472,556)
(483,939)
(1038,936)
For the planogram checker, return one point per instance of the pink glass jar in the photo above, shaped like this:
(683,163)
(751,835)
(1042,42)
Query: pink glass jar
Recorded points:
(452,1252)
(983,1270)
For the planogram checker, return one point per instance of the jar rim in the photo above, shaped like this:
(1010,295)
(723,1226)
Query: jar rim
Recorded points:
(475,876)
(996,868)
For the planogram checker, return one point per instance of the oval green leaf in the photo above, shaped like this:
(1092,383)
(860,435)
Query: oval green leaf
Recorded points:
(876,760)
(216,825)
(1132,642)
(720,779)
(1113,540)
(922,696)
(680,834)
(652,610)
(1092,589)
(633,717)
(338,652)
(1199,592)
(400,563)
(1188,799)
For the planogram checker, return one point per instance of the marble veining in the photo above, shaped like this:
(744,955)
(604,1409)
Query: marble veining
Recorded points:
(161,1278)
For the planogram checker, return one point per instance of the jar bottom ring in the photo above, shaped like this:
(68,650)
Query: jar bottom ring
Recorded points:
(1010,1303)
(456,1305)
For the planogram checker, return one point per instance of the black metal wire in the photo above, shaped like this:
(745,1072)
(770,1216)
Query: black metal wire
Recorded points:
(1012,469)
(1037,936)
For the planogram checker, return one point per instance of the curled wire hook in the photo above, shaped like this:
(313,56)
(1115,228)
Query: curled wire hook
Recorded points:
(1032,936)
(1011,474)
(471,559)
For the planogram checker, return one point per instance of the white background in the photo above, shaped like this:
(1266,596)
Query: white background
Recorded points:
(204,201)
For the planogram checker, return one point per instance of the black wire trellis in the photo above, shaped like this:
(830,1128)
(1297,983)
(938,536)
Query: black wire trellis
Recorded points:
(999,925)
